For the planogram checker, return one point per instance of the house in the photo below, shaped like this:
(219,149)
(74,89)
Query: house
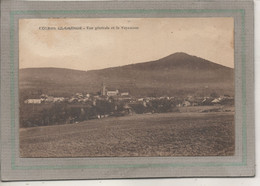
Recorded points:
(217,100)
(33,101)
(58,99)
(125,94)
(49,99)
(186,103)
(73,100)
(207,101)
(80,100)
(112,93)
(79,95)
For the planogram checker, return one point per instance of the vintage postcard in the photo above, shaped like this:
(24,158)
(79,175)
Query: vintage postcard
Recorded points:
(126,87)
(115,91)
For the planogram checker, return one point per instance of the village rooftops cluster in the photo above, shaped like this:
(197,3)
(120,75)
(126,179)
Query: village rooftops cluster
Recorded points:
(45,99)
(124,96)
(80,107)
(78,97)
(191,100)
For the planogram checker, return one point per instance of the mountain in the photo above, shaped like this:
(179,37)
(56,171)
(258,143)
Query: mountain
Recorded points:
(178,74)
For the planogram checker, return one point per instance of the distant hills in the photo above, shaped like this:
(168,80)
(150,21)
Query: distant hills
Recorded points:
(178,74)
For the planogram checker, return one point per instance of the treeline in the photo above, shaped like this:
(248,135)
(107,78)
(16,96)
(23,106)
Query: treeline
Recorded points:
(155,106)
(63,113)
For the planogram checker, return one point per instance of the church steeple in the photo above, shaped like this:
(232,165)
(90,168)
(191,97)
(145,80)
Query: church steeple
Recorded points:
(103,91)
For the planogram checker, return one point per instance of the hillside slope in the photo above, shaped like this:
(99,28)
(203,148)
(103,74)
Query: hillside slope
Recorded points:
(178,74)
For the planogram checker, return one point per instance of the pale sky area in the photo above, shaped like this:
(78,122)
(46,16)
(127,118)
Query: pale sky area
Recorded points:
(155,38)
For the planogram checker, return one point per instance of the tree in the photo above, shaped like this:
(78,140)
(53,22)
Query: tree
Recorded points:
(214,95)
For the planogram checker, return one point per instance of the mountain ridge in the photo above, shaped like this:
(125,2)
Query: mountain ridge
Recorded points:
(174,75)
(164,58)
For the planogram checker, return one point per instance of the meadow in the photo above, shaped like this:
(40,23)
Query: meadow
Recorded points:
(164,134)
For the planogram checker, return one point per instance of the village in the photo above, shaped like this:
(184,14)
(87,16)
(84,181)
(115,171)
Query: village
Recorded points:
(109,95)
(51,110)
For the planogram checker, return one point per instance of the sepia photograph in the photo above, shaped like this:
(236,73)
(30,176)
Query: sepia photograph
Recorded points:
(126,87)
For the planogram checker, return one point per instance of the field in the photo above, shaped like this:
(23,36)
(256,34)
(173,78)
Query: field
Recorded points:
(168,134)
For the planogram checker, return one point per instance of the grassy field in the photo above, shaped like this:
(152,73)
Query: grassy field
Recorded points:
(168,134)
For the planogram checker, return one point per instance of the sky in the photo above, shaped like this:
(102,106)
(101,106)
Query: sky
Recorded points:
(105,42)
